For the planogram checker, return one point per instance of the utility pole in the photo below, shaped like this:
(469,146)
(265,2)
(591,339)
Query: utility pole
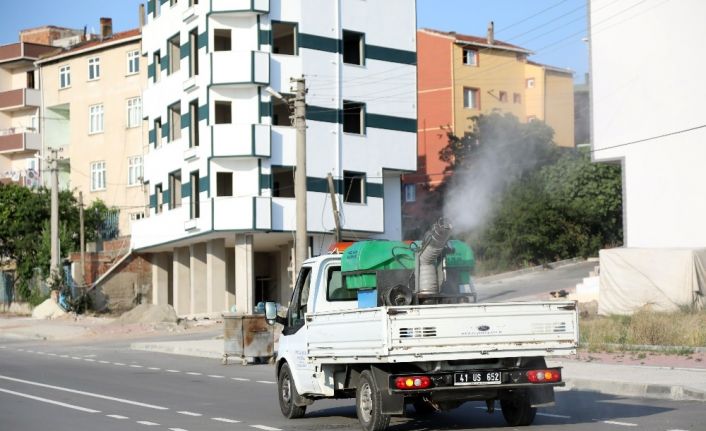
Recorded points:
(83,238)
(301,238)
(334,205)
(55,246)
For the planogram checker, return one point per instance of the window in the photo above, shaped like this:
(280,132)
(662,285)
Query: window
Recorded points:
(134,216)
(65,76)
(283,181)
(133,62)
(159,198)
(471,98)
(353,117)
(30,79)
(334,287)
(221,39)
(298,307)
(94,68)
(97,176)
(224,113)
(134,170)
(172,2)
(470,57)
(410,192)
(530,82)
(353,46)
(193,2)
(134,112)
(354,187)
(516,98)
(195,206)
(194,123)
(95,119)
(157,132)
(174,52)
(284,38)
(503,96)
(175,190)
(194,52)
(157,61)
(224,184)
(174,122)
(280,111)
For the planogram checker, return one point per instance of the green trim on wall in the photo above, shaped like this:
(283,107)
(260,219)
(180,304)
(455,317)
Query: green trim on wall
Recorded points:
(150,71)
(392,55)
(150,6)
(319,43)
(375,121)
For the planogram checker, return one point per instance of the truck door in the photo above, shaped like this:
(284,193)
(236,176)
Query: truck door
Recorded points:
(294,332)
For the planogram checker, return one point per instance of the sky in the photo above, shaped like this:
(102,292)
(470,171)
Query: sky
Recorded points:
(553,29)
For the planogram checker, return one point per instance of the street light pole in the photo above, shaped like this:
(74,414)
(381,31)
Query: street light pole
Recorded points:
(301,238)
(55,246)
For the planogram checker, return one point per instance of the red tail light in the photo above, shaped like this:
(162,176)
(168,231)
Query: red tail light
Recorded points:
(544,376)
(412,382)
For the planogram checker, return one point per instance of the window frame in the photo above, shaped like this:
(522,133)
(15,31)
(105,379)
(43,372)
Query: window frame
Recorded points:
(502,96)
(193,52)
(135,171)
(158,137)
(476,98)
(329,276)
(216,47)
(530,82)
(159,198)
(157,61)
(222,103)
(295,25)
(100,115)
(281,169)
(361,47)
(410,197)
(94,68)
(173,189)
(64,76)
(362,113)
(134,112)
(174,133)
(194,135)
(475,56)
(98,176)
(171,48)
(358,176)
(133,62)
(517,98)
(229,183)
(195,195)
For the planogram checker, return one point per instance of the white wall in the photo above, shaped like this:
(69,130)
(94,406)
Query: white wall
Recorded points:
(648,81)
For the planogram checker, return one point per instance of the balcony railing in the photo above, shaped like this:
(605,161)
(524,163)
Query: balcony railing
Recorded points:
(240,68)
(241,140)
(19,99)
(19,139)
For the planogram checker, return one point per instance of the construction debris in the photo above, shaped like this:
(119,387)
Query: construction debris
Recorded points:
(149,313)
(48,309)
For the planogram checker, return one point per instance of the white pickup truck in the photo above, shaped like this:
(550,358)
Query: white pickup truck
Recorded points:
(435,357)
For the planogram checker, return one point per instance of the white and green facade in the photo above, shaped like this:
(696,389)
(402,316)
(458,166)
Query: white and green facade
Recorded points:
(219,169)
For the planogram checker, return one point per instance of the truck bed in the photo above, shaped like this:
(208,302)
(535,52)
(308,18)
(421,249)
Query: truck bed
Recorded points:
(443,332)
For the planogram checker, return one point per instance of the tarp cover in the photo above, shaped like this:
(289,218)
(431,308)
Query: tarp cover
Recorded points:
(663,279)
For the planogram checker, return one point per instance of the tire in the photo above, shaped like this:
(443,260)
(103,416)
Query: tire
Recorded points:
(423,408)
(287,393)
(518,411)
(368,404)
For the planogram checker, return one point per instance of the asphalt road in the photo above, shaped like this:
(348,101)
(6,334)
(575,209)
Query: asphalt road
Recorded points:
(535,284)
(106,386)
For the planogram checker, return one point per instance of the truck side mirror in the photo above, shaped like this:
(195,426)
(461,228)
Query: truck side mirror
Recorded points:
(271,312)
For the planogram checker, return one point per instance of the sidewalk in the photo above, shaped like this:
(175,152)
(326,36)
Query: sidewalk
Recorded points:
(603,374)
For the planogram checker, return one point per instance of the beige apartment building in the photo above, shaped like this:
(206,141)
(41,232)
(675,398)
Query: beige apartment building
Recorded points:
(92,113)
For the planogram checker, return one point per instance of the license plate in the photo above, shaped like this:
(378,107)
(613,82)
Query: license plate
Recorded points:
(471,378)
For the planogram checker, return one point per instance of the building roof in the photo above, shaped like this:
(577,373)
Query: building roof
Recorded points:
(465,39)
(92,45)
(551,68)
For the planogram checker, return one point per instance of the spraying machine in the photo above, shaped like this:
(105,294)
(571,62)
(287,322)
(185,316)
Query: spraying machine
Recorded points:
(393,323)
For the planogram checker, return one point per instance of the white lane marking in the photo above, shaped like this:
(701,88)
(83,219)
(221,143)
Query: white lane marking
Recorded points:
(173,371)
(215,376)
(148,423)
(677,430)
(41,353)
(20,350)
(117,417)
(30,351)
(89,356)
(89,360)
(52,354)
(120,364)
(240,379)
(154,368)
(551,415)
(76,357)
(64,356)
(228,421)
(103,362)
(625,424)
(267,382)
(191,373)
(266,428)
(177,429)
(189,413)
(88,394)
(3,347)
(136,366)
(44,400)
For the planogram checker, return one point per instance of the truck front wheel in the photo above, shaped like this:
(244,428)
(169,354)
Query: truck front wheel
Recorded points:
(517,410)
(287,395)
(369,405)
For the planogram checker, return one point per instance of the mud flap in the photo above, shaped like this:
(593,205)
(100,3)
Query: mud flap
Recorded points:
(542,396)
(392,404)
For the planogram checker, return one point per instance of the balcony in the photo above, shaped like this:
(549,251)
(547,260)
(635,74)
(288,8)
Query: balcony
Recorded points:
(242,213)
(240,7)
(240,68)
(241,140)
(18,140)
(22,98)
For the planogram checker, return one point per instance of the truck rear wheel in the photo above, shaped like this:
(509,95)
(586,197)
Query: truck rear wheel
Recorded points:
(287,394)
(517,410)
(368,404)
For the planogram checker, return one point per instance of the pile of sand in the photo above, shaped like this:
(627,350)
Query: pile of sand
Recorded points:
(48,309)
(149,313)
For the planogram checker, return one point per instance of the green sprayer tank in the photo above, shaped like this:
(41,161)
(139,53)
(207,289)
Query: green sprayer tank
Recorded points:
(361,262)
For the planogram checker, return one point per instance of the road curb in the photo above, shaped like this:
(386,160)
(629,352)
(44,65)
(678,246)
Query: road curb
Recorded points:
(641,390)
(214,350)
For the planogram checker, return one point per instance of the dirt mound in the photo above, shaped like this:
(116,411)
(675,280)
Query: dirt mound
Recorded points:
(48,309)
(149,313)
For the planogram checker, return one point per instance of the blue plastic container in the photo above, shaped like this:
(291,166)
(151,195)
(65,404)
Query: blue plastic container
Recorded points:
(368,298)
